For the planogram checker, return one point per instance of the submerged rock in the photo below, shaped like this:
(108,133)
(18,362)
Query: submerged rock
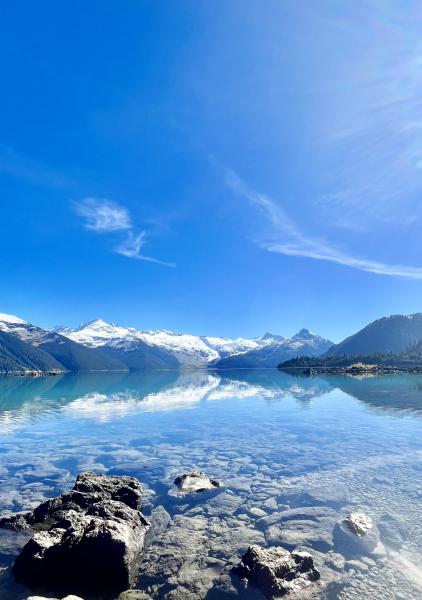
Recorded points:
(276,571)
(195,482)
(334,494)
(359,523)
(309,525)
(134,595)
(188,558)
(90,538)
(356,535)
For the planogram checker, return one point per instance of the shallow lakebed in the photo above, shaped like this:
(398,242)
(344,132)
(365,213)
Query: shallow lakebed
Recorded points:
(296,455)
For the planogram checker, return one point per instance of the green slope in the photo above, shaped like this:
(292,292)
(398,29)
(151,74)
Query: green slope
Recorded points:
(394,334)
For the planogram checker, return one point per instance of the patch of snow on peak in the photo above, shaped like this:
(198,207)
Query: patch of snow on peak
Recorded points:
(99,333)
(190,350)
(11,319)
(226,346)
(272,337)
(22,329)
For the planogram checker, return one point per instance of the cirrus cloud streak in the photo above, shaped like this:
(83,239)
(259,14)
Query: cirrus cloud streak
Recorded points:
(132,246)
(295,243)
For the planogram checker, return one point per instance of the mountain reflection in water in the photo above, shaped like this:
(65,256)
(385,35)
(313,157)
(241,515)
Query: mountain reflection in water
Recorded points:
(101,394)
(295,453)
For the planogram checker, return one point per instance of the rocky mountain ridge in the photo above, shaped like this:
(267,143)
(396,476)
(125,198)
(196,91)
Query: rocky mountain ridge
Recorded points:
(99,345)
(102,346)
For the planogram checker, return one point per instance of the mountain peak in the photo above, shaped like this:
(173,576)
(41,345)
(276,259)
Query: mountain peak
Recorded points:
(304,334)
(96,323)
(11,319)
(394,334)
(273,336)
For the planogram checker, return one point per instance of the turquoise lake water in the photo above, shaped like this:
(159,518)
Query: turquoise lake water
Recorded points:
(296,454)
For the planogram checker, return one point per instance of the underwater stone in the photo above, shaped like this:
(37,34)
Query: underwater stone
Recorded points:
(195,482)
(276,571)
(359,523)
(356,535)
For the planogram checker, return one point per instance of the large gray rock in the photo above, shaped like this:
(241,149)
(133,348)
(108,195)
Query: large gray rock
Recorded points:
(89,539)
(90,488)
(276,571)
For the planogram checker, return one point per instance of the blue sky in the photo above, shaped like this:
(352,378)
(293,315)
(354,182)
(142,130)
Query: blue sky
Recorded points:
(221,168)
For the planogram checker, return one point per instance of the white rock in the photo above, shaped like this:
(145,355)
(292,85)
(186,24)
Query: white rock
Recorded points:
(359,523)
(43,598)
(357,536)
(194,482)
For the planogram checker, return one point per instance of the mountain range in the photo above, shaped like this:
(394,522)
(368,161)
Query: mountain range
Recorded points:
(167,349)
(65,354)
(102,346)
(276,348)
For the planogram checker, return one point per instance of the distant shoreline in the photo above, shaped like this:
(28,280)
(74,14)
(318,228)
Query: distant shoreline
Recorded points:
(354,370)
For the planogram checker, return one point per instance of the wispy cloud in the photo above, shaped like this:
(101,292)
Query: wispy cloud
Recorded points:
(294,242)
(102,215)
(105,216)
(132,246)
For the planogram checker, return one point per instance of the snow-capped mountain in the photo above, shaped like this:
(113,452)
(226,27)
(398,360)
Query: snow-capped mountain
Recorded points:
(192,351)
(227,347)
(24,330)
(68,354)
(99,345)
(276,349)
(102,346)
(312,339)
(99,333)
(189,350)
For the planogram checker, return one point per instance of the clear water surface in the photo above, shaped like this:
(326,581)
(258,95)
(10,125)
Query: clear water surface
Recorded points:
(296,454)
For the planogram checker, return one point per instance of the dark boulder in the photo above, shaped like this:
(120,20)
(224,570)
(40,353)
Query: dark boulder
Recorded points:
(90,488)
(90,538)
(276,571)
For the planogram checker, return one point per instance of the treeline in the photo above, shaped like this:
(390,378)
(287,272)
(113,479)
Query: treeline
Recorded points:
(410,358)
(16,355)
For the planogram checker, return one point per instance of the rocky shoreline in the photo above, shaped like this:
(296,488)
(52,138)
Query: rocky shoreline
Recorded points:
(32,373)
(89,542)
(360,369)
